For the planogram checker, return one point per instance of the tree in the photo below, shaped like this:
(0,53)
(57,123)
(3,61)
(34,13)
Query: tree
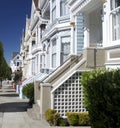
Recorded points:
(18,76)
(5,71)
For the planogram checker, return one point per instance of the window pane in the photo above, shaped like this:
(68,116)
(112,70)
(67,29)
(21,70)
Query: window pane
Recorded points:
(17,63)
(116,25)
(63,8)
(65,48)
(54,14)
(54,53)
(54,46)
(53,60)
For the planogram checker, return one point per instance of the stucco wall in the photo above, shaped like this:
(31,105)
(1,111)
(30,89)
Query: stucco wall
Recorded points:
(95,57)
(45,99)
(36,91)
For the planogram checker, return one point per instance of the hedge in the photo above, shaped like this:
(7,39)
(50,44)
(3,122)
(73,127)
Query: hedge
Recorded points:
(28,90)
(102,97)
(78,118)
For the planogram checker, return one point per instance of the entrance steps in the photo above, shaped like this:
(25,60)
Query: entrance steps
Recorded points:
(34,112)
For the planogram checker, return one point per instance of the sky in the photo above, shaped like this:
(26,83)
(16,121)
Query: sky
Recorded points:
(12,22)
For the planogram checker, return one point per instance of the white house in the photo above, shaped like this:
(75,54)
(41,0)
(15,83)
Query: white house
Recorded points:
(102,26)
(64,38)
(15,62)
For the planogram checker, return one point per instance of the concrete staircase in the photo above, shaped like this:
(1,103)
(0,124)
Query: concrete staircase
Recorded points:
(34,112)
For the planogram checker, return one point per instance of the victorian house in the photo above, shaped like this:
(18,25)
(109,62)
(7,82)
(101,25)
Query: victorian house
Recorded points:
(16,62)
(62,39)
(101,27)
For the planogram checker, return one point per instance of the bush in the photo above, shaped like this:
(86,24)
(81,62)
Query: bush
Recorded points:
(84,119)
(51,116)
(78,119)
(72,118)
(62,122)
(102,97)
(28,91)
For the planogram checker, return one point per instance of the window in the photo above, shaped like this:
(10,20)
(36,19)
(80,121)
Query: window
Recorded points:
(116,26)
(65,48)
(115,14)
(43,61)
(54,53)
(63,8)
(18,64)
(115,4)
(40,61)
(53,10)
(33,43)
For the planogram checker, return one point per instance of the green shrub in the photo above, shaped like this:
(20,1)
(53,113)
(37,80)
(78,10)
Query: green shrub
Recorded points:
(51,116)
(73,118)
(28,90)
(62,122)
(78,118)
(102,97)
(84,119)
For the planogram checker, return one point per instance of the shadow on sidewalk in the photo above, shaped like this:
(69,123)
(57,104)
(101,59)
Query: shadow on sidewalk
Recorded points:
(14,107)
(9,95)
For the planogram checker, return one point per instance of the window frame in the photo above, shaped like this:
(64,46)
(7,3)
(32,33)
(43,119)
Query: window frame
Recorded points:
(54,53)
(64,54)
(115,19)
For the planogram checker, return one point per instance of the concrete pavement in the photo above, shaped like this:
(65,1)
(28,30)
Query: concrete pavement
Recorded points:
(13,112)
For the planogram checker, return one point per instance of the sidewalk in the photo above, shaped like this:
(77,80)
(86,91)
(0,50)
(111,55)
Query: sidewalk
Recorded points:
(13,112)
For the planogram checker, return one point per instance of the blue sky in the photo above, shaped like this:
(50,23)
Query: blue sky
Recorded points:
(12,22)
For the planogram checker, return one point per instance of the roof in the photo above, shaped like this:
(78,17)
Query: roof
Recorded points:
(14,54)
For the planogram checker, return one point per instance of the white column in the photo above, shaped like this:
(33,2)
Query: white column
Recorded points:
(39,35)
(52,100)
(50,52)
(30,56)
(36,37)
(38,62)
(57,8)
(50,11)
(72,23)
(58,49)
(106,25)
(86,31)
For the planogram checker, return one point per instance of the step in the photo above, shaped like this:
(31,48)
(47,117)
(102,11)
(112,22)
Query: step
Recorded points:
(34,112)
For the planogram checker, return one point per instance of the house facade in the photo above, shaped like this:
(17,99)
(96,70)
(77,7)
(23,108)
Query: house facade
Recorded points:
(62,39)
(15,62)
(101,19)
